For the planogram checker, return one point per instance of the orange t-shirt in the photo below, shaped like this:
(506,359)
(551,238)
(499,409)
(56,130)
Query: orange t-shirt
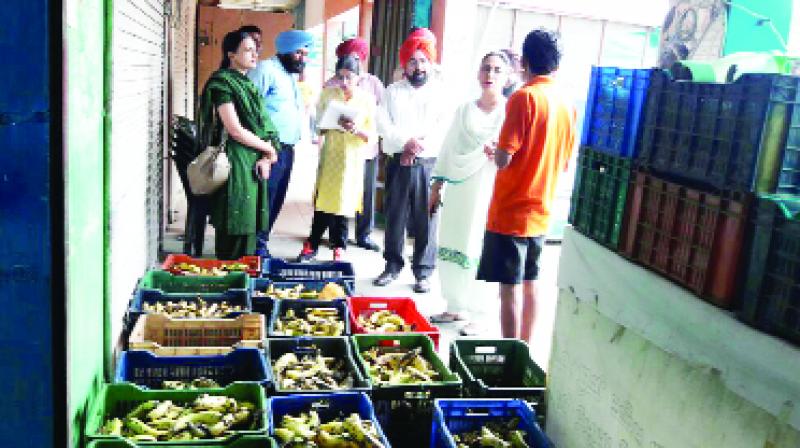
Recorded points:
(539,132)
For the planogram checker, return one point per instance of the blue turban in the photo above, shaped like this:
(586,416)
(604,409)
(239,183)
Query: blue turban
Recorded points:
(292,40)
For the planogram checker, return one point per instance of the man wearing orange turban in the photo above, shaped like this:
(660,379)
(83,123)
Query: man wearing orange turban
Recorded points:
(365,219)
(421,39)
(412,120)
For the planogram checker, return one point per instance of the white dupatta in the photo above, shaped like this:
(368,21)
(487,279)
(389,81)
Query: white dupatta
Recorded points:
(462,152)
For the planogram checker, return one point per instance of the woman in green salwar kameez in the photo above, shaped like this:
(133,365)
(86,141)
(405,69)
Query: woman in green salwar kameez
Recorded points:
(230,100)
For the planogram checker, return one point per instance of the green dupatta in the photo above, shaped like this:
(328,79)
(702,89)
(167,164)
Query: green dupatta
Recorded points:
(242,206)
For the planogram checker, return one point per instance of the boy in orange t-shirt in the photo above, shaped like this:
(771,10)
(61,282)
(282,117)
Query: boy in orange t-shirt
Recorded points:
(535,145)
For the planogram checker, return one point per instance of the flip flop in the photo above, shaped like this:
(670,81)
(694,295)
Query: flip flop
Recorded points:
(446,318)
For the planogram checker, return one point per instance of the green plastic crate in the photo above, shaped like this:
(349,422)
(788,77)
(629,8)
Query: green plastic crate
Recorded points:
(337,347)
(116,400)
(364,342)
(405,412)
(771,295)
(496,368)
(245,441)
(499,368)
(598,197)
(737,136)
(169,283)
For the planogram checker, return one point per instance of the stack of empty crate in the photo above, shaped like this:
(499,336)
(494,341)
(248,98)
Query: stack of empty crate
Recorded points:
(714,175)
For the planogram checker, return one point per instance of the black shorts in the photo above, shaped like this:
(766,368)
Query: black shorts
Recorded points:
(509,259)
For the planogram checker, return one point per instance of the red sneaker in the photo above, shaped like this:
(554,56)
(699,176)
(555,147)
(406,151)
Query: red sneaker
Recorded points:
(338,253)
(307,254)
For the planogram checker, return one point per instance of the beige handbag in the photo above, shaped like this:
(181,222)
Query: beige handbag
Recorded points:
(210,169)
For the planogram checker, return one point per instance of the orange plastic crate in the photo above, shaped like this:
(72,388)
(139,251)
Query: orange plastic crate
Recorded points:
(692,237)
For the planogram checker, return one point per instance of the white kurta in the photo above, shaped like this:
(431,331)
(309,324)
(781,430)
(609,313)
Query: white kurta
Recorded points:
(469,177)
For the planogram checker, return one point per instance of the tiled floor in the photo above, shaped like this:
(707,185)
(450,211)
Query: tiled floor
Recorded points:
(294,223)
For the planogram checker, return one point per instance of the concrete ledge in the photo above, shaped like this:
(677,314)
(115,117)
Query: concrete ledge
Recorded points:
(760,368)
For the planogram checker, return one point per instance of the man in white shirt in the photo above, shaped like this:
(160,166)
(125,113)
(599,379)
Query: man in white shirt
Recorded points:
(412,120)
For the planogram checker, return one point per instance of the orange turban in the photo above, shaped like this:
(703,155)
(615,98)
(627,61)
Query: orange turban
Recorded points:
(420,39)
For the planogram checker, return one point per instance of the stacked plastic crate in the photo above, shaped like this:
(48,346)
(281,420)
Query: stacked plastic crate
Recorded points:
(713,177)
(608,145)
(715,162)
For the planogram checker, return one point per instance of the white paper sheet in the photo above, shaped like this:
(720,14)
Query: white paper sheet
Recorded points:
(334,111)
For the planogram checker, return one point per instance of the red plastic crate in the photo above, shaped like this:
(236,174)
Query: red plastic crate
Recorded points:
(252,261)
(403,306)
(692,237)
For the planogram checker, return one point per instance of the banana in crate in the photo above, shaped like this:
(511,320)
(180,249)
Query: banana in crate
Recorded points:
(306,431)
(196,383)
(220,271)
(317,322)
(384,321)
(207,417)
(493,434)
(328,292)
(396,366)
(311,372)
(192,310)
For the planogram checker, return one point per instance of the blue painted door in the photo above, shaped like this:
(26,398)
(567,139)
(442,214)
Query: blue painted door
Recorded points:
(27,301)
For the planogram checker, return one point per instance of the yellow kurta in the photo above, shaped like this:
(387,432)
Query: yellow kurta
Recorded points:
(340,175)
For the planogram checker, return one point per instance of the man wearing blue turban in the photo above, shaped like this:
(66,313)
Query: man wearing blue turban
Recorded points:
(276,79)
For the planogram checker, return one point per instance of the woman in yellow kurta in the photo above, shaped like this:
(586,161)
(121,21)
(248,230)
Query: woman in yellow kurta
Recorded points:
(340,175)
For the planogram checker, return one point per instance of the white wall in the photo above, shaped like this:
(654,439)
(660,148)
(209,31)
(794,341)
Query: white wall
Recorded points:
(793,41)
(611,387)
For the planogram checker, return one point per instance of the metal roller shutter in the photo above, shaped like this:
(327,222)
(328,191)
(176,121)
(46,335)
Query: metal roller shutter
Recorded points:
(184,24)
(138,80)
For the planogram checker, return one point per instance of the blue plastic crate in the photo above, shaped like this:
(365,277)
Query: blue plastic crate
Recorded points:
(265,305)
(240,297)
(614,109)
(328,406)
(299,305)
(150,371)
(261,284)
(282,270)
(458,416)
